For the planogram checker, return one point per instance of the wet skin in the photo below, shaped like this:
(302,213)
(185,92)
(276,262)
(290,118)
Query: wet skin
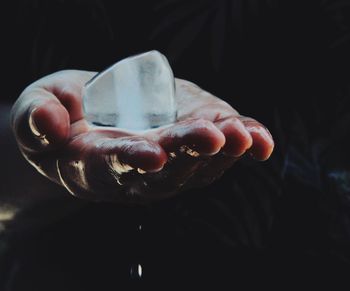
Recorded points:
(111,164)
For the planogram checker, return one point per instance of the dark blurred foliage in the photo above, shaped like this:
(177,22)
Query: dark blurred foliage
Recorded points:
(281,223)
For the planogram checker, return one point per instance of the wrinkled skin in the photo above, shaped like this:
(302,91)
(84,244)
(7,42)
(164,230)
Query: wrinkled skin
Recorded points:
(110,164)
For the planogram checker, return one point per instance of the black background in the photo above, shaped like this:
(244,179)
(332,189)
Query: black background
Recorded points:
(281,223)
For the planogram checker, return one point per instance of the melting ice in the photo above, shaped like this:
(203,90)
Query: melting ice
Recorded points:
(135,93)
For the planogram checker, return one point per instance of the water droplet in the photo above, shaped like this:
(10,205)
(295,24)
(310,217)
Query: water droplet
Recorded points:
(139,270)
(136,271)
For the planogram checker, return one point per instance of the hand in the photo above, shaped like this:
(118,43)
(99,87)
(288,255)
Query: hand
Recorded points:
(116,165)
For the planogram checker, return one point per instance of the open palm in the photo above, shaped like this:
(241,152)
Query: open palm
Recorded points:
(111,164)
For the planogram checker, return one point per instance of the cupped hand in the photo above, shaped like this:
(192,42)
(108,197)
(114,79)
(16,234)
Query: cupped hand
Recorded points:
(111,164)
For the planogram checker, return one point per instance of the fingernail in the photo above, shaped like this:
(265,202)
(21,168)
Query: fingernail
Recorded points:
(33,127)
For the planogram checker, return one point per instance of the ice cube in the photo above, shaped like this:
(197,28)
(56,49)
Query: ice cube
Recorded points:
(135,93)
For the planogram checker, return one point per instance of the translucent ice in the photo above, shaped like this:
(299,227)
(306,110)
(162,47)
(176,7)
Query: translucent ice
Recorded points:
(135,93)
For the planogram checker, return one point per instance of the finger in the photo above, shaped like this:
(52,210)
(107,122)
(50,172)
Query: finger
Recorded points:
(199,135)
(263,143)
(39,120)
(67,87)
(96,163)
(135,151)
(237,137)
(44,111)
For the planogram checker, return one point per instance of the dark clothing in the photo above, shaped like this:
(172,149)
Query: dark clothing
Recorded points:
(285,222)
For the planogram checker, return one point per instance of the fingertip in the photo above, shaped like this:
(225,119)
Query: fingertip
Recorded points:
(268,150)
(50,123)
(199,135)
(263,144)
(238,138)
(204,137)
(143,154)
(152,160)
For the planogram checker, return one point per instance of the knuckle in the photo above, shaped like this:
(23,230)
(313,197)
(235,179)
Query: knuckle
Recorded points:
(202,123)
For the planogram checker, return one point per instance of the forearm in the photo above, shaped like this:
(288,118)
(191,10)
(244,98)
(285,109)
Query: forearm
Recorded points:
(23,189)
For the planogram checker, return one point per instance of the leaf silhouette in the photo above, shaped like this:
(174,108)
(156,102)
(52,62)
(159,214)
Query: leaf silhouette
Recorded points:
(229,214)
(249,215)
(218,35)
(254,6)
(177,16)
(187,35)
(236,12)
(168,3)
